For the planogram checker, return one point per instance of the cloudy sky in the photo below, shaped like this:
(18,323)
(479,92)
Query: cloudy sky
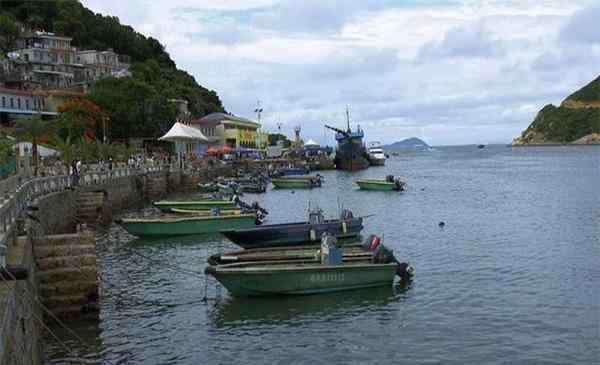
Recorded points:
(447,71)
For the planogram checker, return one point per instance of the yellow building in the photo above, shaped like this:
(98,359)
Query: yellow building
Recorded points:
(224,129)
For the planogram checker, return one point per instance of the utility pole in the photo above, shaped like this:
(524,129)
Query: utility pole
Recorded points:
(258,112)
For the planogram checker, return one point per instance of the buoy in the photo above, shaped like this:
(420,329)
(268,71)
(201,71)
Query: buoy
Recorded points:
(441,224)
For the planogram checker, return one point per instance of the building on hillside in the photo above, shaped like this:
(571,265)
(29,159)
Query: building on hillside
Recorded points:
(228,130)
(16,104)
(98,64)
(50,60)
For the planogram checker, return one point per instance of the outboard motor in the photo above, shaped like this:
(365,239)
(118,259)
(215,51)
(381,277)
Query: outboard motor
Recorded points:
(255,206)
(405,271)
(346,214)
(399,185)
(383,255)
(260,217)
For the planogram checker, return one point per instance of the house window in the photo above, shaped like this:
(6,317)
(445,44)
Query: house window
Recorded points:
(12,103)
(19,103)
(27,104)
(4,101)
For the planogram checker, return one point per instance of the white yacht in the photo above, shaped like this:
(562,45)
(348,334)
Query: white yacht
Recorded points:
(376,154)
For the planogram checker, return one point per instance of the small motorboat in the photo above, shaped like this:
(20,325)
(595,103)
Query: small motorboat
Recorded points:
(207,204)
(297,182)
(390,183)
(291,171)
(376,155)
(480,146)
(290,234)
(187,225)
(329,269)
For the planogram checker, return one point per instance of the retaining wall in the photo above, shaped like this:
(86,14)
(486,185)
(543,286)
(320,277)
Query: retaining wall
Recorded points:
(20,316)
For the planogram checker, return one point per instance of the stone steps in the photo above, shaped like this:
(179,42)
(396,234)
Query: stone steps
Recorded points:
(65,250)
(83,273)
(55,262)
(67,288)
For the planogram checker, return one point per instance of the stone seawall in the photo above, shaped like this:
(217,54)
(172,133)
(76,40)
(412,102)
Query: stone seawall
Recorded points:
(67,272)
(20,317)
(62,262)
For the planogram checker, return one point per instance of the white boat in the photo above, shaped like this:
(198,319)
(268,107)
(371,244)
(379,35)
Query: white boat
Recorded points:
(376,154)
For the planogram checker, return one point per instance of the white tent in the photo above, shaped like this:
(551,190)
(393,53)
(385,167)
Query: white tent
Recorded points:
(311,143)
(186,139)
(180,132)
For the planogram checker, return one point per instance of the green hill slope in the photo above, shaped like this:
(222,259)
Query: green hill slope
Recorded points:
(142,100)
(576,120)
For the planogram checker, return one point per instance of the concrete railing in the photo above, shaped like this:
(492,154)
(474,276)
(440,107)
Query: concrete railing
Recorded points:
(18,192)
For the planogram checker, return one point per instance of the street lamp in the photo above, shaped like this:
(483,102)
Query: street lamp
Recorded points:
(104,119)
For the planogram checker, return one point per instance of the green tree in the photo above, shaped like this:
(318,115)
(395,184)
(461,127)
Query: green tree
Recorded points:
(9,33)
(66,147)
(33,130)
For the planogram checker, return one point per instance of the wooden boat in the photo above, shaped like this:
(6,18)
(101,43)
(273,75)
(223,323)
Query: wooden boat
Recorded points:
(206,212)
(297,182)
(329,270)
(290,234)
(291,171)
(290,254)
(174,226)
(389,184)
(166,205)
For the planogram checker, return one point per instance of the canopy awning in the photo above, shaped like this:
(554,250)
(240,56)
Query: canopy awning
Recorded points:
(180,132)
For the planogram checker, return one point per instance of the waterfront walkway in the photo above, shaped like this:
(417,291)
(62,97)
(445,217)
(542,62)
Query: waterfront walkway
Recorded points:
(18,192)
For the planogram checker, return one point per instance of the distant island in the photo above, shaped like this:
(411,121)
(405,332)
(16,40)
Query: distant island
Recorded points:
(412,143)
(575,121)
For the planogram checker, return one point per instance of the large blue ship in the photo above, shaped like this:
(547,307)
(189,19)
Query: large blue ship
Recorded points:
(351,154)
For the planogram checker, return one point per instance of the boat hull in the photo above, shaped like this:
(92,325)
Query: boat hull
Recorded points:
(376,185)
(351,163)
(166,205)
(376,161)
(300,280)
(300,182)
(293,234)
(186,225)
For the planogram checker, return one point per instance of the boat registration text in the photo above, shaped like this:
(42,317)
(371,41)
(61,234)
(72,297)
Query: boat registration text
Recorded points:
(326,277)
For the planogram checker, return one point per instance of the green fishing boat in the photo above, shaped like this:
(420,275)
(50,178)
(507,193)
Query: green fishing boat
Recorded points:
(175,226)
(205,212)
(389,184)
(281,278)
(298,270)
(206,204)
(297,182)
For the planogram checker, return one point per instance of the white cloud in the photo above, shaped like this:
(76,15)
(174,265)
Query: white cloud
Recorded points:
(453,72)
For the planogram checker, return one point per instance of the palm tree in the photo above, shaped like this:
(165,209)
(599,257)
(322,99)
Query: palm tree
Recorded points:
(66,147)
(32,130)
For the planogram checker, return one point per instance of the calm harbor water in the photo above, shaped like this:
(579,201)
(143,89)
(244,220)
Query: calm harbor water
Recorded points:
(513,277)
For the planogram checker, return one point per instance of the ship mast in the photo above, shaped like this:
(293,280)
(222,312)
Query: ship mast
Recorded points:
(348,117)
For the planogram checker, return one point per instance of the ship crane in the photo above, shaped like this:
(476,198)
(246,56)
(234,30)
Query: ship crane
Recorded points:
(345,133)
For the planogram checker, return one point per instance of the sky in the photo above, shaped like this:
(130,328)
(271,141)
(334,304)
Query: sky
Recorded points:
(447,71)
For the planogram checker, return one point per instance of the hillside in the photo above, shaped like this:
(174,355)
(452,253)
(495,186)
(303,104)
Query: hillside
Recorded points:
(142,106)
(576,120)
(408,143)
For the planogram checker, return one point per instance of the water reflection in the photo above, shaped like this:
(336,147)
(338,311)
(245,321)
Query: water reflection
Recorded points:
(241,312)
